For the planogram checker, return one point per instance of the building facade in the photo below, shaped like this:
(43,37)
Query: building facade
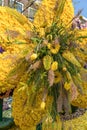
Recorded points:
(26,7)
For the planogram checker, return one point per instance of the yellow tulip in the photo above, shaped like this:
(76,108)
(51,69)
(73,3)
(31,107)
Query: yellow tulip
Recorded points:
(54,65)
(33,56)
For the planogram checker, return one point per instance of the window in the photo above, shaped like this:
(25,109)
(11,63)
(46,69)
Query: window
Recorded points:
(31,13)
(1,2)
(18,5)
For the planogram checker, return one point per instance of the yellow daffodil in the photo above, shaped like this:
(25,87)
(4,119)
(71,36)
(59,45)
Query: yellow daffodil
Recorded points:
(58,77)
(54,66)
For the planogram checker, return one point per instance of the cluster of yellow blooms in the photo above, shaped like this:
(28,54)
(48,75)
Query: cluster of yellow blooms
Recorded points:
(74,124)
(13,25)
(28,113)
(25,113)
(52,59)
(82,33)
(68,12)
(8,60)
(46,14)
(81,100)
(13,31)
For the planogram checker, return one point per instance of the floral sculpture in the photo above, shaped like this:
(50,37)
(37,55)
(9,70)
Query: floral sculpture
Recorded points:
(12,42)
(51,76)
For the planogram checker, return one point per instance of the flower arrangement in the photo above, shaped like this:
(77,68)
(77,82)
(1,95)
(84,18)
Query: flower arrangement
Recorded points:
(51,74)
(48,77)
(75,124)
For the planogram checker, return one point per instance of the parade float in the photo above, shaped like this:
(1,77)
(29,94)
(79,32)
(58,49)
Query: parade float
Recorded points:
(48,76)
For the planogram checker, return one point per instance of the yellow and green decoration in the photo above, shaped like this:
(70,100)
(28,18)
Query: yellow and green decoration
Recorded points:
(49,77)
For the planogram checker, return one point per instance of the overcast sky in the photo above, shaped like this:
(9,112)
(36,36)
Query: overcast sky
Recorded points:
(80,4)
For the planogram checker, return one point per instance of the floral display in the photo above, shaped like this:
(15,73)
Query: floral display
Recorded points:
(13,26)
(81,100)
(52,71)
(50,8)
(8,59)
(75,124)
(30,114)
(49,72)
(80,23)
(83,33)
(13,42)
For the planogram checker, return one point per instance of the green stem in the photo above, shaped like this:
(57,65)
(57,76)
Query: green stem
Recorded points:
(39,126)
(1,107)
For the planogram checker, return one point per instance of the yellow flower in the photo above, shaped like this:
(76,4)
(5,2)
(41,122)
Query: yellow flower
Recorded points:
(46,13)
(43,105)
(33,56)
(67,85)
(57,78)
(64,69)
(54,65)
(54,48)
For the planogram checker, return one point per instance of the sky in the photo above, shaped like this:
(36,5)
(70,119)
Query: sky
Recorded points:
(80,4)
